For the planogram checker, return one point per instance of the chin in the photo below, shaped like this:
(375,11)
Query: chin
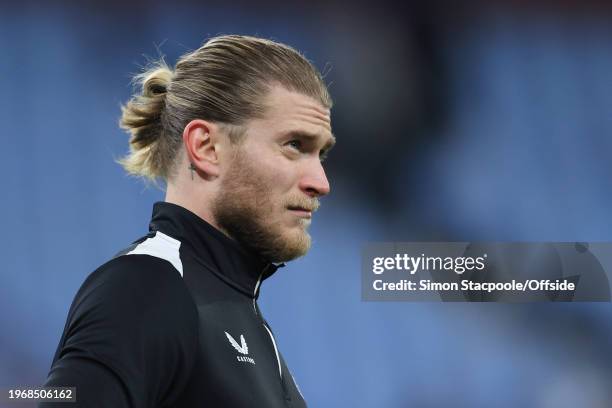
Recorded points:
(296,245)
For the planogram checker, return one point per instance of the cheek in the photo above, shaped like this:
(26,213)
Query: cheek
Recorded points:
(279,176)
(272,173)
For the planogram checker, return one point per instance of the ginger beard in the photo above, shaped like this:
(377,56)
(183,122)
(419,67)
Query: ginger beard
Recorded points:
(248,211)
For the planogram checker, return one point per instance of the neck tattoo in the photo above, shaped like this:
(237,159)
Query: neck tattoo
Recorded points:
(191,168)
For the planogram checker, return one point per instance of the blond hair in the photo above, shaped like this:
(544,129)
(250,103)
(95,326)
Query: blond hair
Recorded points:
(224,82)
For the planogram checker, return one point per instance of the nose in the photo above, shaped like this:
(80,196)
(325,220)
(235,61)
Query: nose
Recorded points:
(314,182)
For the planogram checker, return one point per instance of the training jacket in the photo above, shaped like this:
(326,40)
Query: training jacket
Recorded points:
(173,321)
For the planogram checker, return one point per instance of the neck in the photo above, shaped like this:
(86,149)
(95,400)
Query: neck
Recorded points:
(191,199)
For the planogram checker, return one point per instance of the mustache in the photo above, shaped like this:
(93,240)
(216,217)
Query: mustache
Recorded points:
(307,204)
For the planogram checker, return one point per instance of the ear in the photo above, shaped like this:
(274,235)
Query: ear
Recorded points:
(201,139)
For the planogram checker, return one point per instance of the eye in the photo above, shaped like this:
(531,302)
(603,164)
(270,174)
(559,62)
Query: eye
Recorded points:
(296,144)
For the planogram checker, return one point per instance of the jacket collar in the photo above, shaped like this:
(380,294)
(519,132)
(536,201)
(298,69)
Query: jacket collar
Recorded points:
(236,265)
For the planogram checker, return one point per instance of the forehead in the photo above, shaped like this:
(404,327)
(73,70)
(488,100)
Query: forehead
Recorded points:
(292,111)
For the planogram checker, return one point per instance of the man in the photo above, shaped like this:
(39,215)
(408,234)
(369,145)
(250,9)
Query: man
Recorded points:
(237,132)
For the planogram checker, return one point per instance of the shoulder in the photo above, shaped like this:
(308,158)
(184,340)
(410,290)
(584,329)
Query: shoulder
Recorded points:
(151,263)
(134,314)
(137,286)
(157,245)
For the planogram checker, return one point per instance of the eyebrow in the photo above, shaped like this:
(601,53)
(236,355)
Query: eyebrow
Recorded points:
(305,135)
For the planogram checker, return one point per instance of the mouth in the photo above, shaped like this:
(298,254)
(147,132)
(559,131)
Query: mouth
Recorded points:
(301,211)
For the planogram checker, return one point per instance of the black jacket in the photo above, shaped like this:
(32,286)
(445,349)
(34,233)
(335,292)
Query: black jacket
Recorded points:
(172,321)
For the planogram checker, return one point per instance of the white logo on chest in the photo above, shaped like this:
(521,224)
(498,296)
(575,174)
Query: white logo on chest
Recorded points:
(242,348)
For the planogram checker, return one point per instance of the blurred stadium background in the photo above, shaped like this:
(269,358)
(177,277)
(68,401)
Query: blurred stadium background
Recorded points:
(472,120)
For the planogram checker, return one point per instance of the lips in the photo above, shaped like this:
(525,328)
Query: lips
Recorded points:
(297,208)
(301,211)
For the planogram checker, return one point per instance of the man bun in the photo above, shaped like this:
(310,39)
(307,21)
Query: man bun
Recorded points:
(143,118)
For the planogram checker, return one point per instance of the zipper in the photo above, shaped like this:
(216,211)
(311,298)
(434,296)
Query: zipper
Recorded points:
(265,325)
(280,371)
(255,290)
(258,314)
